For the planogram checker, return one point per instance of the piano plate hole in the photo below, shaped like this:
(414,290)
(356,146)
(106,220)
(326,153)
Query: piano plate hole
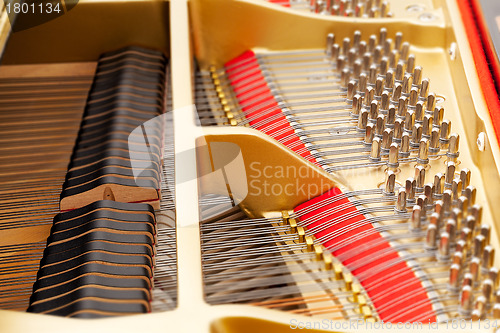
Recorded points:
(415,8)
(338,131)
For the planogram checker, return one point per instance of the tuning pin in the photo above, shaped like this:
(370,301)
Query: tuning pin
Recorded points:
(488,257)
(398,129)
(419,112)
(454,281)
(335,11)
(419,178)
(446,202)
(465,178)
(428,191)
(362,81)
(456,188)
(405,51)
(351,57)
(330,40)
(362,48)
(470,193)
(320,6)
(402,106)
(345,77)
(384,101)
(382,36)
(357,102)
(431,103)
(417,76)
(445,132)
(410,187)
(478,246)
(416,135)
(436,220)
(451,229)
(438,209)
(475,270)
(393,162)
(372,41)
(487,289)
(396,94)
(468,280)
(466,238)
(470,222)
(387,139)
(407,84)
(383,66)
(369,94)
(400,70)
(458,257)
(398,41)
(437,116)
(362,121)
(391,116)
(341,62)
(479,312)
(444,247)
(427,126)
(390,183)
(410,121)
(401,202)
(356,39)
(372,73)
(453,153)
(438,185)
(476,211)
(494,276)
(466,301)
(360,10)
(379,125)
(486,232)
(405,145)
(389,80)
(373,110)
(410,64)
(424,88)
(423,203)
(351,90)
(369,134)
(346,45)
(379,86)
(449,175)
(413,99)
(423,152)
(416,219)
(434,142)
(456,214)
(431,238)
(496,311)
(463,203)
(375,151)
(393,59)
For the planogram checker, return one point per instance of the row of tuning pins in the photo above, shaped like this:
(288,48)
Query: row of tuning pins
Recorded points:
(446,212)
(351,8)
(390,99)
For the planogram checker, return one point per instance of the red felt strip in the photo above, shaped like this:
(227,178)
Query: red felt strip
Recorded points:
(485,75)
(259,105)
(390,283)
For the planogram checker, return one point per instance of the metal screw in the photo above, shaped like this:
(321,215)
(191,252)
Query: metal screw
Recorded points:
(481,141)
